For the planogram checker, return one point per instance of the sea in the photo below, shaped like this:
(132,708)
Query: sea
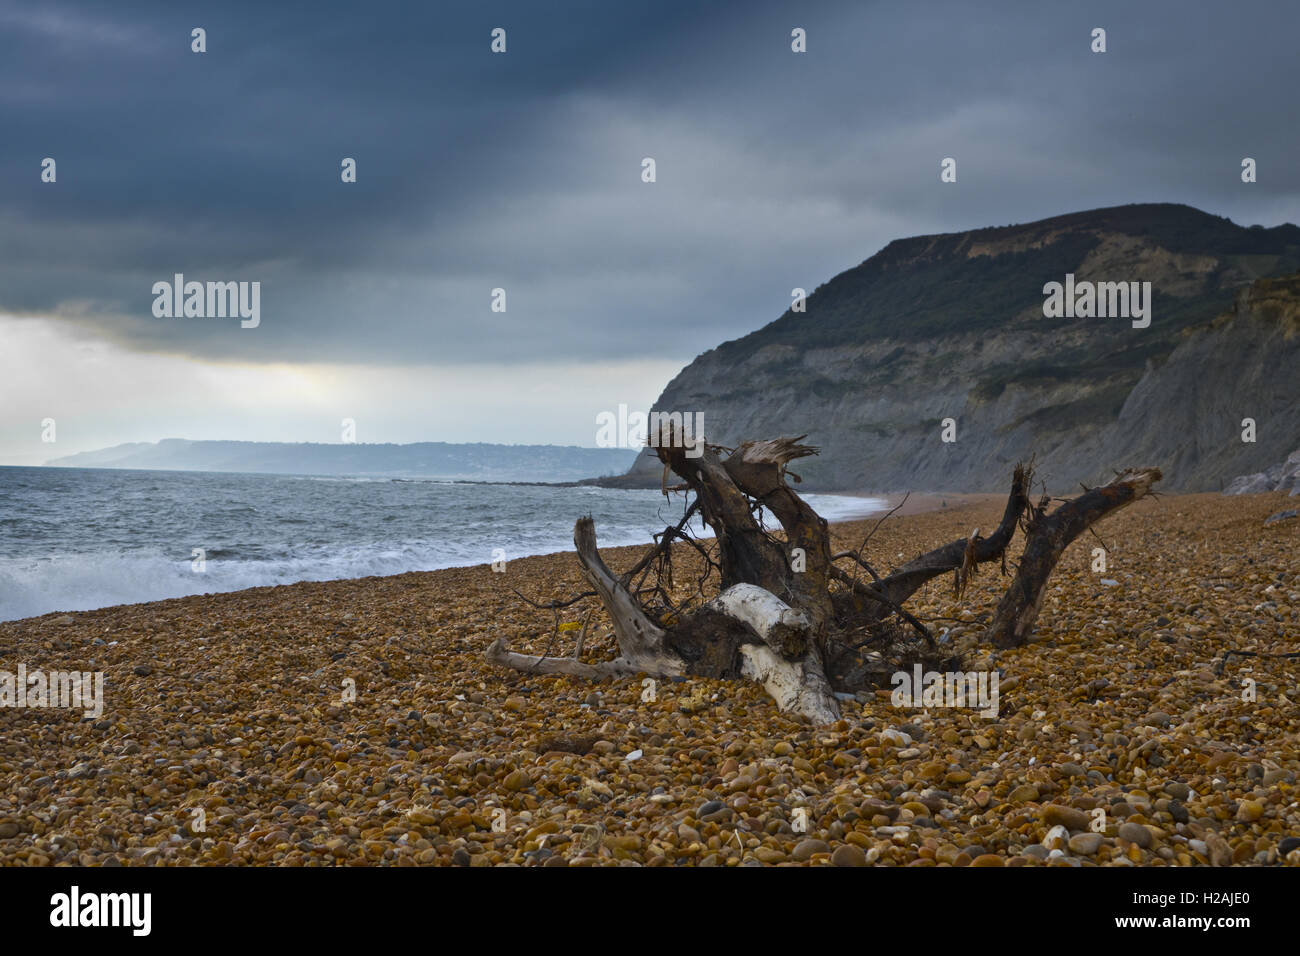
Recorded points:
(75,539)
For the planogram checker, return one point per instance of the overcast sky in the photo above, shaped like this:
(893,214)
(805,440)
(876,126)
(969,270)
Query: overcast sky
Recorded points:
(523,171)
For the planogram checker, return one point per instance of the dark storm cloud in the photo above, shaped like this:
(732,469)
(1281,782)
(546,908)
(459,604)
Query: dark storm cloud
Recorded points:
(523,171)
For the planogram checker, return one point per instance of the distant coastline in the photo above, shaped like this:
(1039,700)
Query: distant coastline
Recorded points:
(448,461)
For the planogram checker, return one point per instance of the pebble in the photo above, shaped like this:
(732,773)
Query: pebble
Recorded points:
(1085,844)
(806,848)
(1221,852)
(848,855)
(1067,817)
(1250,810)
(1026,793)
(1056,837)
(517,780)
(1135,833)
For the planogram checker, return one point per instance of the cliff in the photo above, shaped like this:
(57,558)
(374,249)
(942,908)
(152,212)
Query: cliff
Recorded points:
(953,326)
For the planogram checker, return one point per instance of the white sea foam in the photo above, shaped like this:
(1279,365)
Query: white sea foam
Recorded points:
(107,547)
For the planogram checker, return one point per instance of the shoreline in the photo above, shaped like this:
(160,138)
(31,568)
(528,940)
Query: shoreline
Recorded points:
(915,504)
(907,505)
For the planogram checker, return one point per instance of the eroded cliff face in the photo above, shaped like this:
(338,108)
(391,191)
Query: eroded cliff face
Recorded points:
(952,327)
(1190,412)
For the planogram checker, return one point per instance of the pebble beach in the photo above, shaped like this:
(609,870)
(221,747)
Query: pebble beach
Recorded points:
(356,723)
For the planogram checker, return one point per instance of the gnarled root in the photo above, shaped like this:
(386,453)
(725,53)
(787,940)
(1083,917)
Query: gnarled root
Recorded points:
(1048,537)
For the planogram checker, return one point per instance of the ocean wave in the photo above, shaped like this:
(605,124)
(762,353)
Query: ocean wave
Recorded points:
(86,570)
(82,582)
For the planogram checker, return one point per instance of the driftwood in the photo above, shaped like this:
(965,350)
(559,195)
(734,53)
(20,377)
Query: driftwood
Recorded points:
(1049,535)
(788,614)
